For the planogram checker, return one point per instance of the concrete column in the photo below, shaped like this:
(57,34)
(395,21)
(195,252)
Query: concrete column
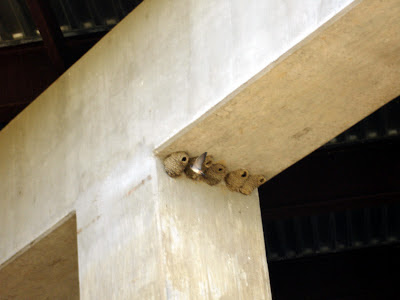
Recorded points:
(172,239)
(212,241)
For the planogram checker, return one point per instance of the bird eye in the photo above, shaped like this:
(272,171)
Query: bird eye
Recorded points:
(184,159)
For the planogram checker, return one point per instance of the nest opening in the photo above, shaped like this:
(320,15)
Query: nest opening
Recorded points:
(214,174)
(244,174)
(184,158)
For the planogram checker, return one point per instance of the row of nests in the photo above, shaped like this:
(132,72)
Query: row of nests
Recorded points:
(237,181)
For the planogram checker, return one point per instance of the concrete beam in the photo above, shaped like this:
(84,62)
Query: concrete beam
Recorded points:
(47,268)
(340,74)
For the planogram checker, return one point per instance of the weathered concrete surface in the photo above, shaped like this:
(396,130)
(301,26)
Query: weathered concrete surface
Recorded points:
(346,71)
(206,226)
(46,269)
(87,143)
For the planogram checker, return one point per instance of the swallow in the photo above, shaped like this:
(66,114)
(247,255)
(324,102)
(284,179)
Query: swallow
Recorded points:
(196,167)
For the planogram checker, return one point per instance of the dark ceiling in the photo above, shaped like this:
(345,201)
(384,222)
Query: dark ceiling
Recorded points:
(40,39)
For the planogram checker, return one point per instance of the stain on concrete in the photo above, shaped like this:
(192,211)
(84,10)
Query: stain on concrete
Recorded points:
(88,224)
(301,133)
(142,182)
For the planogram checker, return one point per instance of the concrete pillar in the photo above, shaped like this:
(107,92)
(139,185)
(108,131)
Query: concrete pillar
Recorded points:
(170,238)
(212,241)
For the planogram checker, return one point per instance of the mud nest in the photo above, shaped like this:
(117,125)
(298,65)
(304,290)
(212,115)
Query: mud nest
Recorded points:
(214,174)
(253,182)
(237,181)
(175,163)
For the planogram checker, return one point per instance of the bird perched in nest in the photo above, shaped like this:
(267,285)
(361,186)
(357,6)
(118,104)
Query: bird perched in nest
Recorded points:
(198,163)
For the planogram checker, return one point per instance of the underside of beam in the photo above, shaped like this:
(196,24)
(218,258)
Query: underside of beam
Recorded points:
(333,79)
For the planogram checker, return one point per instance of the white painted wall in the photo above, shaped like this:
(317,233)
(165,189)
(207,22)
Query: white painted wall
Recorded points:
(86,143)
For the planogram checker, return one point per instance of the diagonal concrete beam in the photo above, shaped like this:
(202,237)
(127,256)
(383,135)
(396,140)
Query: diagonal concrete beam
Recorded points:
(343,72)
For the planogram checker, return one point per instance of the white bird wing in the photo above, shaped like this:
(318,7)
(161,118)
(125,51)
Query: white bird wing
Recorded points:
(199,161)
